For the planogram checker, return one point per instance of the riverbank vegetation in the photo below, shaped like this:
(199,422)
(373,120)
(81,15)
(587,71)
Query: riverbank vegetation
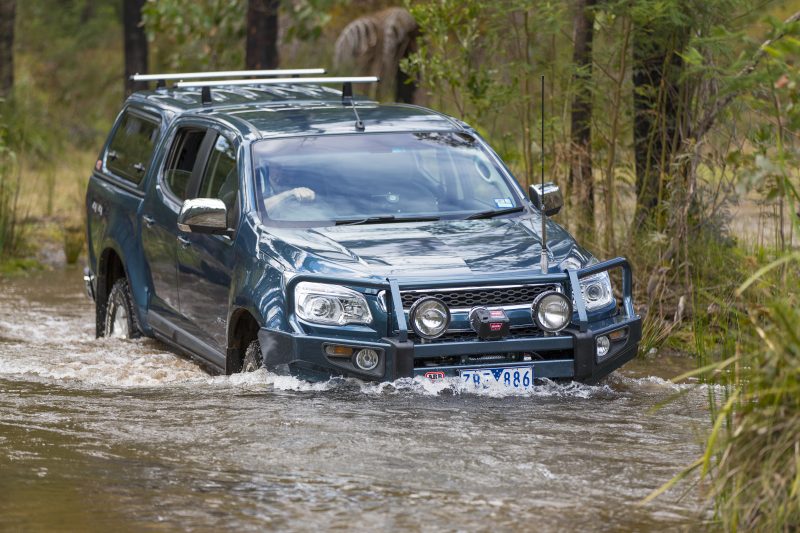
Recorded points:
(671,125)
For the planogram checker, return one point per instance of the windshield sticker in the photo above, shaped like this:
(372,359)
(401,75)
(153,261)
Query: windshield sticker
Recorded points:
(503,202)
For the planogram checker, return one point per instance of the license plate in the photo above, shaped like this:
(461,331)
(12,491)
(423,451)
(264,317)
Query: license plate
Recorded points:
(514,378)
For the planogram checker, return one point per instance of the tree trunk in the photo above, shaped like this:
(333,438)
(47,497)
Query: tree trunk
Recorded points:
(406,86)
(581,181)
(261,49)
(88,11)
(657,66)
(8,10)
(135,44)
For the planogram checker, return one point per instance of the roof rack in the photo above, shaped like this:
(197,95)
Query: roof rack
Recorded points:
(346,81)
(226,74)
(279,81)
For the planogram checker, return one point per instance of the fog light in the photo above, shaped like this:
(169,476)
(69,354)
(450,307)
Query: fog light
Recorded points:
(603,345)
(367,359)
(429,317)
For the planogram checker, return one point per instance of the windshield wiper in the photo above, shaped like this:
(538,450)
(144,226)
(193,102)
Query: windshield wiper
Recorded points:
(385,219)
(495,212)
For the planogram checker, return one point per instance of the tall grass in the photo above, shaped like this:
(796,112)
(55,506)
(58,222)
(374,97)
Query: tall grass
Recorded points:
(751,351)
(9,203)
(753,450)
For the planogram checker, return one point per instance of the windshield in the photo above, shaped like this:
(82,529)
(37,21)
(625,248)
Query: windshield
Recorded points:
(380,176)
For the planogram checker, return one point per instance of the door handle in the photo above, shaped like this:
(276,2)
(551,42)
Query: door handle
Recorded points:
(185,243)
(148,220)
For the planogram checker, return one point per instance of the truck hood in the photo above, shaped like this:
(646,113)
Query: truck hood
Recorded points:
(422,249)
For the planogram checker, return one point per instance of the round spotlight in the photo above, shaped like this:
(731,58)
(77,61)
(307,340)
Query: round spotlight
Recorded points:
(603,345)
(429,317)
(552,311)
(367,359)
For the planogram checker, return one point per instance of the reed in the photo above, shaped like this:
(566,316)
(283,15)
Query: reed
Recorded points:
(749,352)
(9,203)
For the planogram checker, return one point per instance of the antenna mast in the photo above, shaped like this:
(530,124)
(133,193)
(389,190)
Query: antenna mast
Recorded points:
(544,263)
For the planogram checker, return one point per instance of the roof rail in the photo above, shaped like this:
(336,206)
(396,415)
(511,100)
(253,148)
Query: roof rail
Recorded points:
(226,74)
(279,81)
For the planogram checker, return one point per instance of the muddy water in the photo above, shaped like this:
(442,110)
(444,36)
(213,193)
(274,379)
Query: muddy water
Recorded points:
(124,435)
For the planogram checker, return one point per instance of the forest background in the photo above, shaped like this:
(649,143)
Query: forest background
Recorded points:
(671,125)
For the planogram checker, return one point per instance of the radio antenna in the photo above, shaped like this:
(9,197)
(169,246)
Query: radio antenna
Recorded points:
(544,264)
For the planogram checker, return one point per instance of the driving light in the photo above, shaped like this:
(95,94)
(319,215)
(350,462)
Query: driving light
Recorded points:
(552,311)
(367,359)
(597,291)
(603,345)
(429,317)
(321,303)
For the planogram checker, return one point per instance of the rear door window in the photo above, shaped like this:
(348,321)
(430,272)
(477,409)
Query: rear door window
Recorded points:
(182,158)
(131,147)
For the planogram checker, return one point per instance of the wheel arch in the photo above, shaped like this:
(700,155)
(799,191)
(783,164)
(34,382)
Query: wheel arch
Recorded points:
(242,330)
(110,268)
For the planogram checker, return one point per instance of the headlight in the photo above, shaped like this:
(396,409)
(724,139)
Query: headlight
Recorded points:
(429,317)
(331,304)
(552,311)
(597,291)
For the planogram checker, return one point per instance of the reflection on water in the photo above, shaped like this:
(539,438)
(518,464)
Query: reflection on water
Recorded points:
(124,434)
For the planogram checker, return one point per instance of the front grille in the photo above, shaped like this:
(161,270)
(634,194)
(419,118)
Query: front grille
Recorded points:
(477,296)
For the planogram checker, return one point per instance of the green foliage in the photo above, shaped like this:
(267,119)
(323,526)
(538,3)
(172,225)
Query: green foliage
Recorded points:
(752,453)
(308,18)
(482,61)
(196,35)
(209,34)
(68,56)
(9,189)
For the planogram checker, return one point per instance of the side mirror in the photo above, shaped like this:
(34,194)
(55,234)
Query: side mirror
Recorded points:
(203,215)
(546,198)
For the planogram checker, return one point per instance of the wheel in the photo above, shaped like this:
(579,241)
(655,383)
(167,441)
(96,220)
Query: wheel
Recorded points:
(252,357)
(120,320)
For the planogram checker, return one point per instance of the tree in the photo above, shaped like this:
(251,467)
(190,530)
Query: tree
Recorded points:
(658,45)
(8,10)
(261,48)
(581,181)
(135,44)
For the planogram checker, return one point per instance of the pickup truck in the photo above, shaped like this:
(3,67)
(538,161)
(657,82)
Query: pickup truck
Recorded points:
(285,224)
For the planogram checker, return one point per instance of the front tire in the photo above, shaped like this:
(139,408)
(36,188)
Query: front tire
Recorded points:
(120,320)
(253,359)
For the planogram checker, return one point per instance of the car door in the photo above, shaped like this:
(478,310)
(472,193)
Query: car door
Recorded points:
(205,262)
(159,221)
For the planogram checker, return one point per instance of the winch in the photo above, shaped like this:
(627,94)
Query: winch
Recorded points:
(489,324)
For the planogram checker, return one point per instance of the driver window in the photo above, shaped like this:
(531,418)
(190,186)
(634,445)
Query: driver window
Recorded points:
(221,177)
(182,157)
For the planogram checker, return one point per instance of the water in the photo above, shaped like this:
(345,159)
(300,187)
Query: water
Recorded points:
(101,434)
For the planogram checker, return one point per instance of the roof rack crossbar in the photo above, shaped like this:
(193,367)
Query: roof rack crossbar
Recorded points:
(226,74)
(281,81)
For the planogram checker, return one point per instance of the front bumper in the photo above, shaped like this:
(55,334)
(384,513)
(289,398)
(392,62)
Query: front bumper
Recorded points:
(571,354)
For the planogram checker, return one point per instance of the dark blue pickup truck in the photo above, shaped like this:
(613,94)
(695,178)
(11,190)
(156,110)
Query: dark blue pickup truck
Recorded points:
(282,223)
